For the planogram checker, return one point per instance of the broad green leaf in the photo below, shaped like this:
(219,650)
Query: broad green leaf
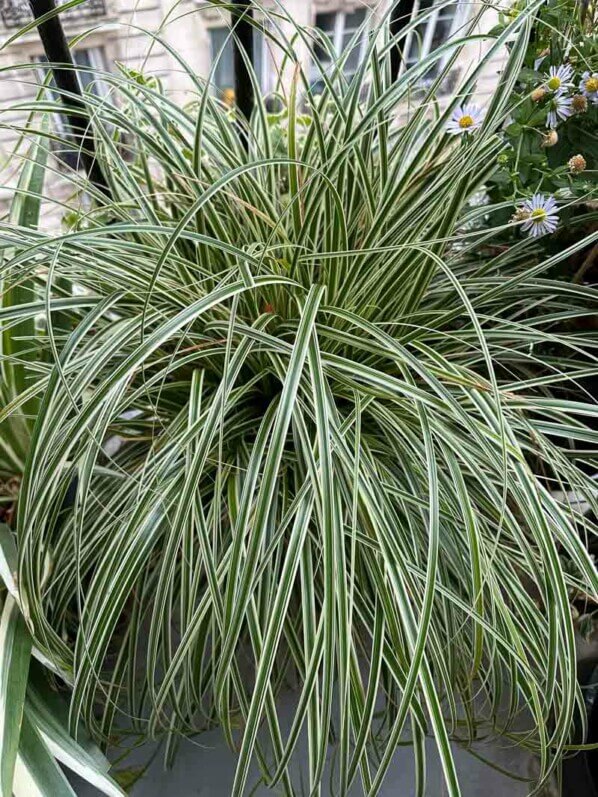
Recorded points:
(15,653)
(49,715)
(37,774)
(8,559)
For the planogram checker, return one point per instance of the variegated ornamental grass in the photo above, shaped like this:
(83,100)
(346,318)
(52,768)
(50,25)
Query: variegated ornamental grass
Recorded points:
(343,415)
(34,720)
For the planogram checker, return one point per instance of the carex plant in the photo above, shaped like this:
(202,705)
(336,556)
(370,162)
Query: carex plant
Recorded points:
(320,428)
(34,719)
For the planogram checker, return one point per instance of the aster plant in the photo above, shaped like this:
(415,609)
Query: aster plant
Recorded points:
(465,119)
(588,86)
(539,215)
(555,115)
(560,108)
(559,78)
(317,429)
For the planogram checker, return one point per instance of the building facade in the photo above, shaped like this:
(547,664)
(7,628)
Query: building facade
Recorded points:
(107,35)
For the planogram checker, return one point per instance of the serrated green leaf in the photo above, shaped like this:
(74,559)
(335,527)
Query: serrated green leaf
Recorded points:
(513,130)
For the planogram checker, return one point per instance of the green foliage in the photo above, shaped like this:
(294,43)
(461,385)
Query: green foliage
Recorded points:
(17,342)
(316,422)
(536,158)
(34,734)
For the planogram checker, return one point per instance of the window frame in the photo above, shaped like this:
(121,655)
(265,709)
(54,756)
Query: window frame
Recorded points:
(339,31)
(98,63)
(460,14)
(264,74)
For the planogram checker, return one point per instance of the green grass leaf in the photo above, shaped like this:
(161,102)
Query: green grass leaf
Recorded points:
(15,652)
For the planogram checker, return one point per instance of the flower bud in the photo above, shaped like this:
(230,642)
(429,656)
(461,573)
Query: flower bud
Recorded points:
(577,164)
(521,214)
(579,103)
(550,139)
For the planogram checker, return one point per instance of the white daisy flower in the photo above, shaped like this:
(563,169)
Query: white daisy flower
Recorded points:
(465,119)
(559,77)
(561,107)
(543,215)
(589,86)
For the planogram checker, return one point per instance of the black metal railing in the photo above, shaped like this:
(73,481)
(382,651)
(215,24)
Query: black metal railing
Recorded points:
(17,13)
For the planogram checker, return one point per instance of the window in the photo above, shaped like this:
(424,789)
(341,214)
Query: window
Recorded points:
(223,75)
(345,31)
(17,14)
(435,29)
(222,51)
(88,62)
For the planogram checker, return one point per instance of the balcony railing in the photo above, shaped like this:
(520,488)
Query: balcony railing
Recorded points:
(17,13)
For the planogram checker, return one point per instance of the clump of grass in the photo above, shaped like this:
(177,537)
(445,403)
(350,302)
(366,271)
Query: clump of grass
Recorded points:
(341,422)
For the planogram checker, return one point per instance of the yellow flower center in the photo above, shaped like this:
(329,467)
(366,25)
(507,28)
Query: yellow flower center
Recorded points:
(539,214)
(465,121)
(591,84)
(554,83)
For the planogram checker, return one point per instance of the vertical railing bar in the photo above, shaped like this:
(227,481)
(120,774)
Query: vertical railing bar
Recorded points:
(57,51)
(399,18)
(242,17)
